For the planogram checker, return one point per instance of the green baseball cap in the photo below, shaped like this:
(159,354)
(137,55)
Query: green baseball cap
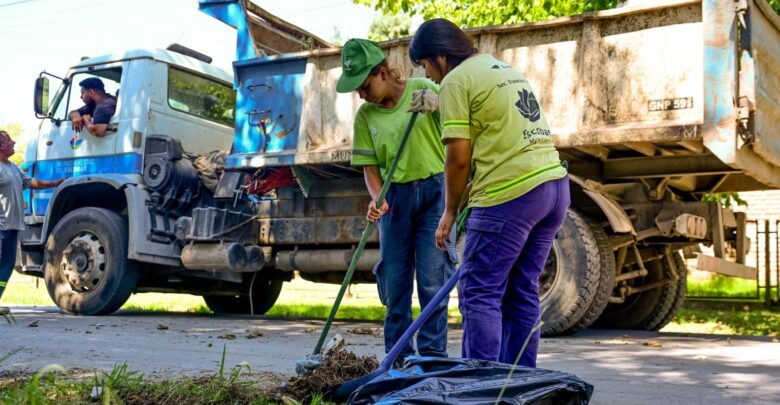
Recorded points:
(358,57)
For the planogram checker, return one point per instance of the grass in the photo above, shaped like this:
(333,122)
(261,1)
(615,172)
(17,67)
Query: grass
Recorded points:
(345,312)
(297,303)
(722,286)
(752,322)
(292,304)
(54,385)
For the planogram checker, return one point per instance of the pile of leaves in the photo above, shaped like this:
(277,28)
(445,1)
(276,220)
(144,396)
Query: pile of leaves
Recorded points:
(338,366)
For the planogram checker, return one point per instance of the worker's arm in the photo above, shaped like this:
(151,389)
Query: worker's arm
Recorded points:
(98,130)
(457,167)
(374,185)
(42,184)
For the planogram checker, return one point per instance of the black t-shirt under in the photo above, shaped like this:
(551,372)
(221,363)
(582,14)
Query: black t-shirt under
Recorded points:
(102,112)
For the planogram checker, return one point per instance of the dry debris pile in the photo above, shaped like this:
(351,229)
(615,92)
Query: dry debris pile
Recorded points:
(338,366)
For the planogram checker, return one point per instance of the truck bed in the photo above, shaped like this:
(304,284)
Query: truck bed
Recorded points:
(650,91)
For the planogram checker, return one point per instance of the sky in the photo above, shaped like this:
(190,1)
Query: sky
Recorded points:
(52,35)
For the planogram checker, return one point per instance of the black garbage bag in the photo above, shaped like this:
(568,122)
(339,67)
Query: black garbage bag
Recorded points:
(433,380)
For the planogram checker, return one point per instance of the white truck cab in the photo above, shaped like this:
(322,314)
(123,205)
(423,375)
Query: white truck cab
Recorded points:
(108,230)
(158,92)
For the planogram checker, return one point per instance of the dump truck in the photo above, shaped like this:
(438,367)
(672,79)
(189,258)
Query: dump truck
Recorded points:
(653,105)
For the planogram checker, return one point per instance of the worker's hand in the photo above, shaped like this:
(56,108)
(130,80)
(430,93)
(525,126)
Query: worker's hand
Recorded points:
(424,101)
(87,120)
(374,213)
(77,122)
(443,231)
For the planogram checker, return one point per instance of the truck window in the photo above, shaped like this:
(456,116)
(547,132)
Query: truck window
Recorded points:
(202,97)
(71,99)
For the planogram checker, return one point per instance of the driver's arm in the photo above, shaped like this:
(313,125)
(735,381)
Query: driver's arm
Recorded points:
(77,117)
(77,120)
(98,130)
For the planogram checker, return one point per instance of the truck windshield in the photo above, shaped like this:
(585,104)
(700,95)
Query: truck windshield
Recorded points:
(202,97)
(71,99)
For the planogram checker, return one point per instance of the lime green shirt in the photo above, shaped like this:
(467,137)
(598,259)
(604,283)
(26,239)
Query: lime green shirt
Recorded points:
(491,104)
(378,132)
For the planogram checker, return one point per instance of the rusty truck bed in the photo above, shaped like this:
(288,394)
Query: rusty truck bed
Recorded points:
(679,89)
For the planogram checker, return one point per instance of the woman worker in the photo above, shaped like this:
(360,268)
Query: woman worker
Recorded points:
(408,218)
(497,138)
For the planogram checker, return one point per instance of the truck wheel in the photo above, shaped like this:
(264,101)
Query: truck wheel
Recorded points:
(576,283)
(265,291)
(86,267)
(681,291)
(649,310)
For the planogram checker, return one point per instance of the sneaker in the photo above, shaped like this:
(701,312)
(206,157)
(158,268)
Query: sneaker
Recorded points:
(5,311)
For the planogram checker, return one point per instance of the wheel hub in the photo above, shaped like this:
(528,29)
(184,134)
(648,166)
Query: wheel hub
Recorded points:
(83,262)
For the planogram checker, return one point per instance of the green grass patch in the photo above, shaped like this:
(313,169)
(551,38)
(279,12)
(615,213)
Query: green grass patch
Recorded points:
(297,304)
(345,312)
(722,286)
(23,290)
(753,322)
(54,385)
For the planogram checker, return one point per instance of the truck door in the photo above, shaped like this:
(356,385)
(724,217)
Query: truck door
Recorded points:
(62,152)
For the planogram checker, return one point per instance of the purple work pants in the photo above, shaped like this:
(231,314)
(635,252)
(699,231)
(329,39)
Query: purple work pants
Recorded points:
(506,249)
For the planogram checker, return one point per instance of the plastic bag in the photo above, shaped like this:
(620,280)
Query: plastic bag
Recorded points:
(430,380)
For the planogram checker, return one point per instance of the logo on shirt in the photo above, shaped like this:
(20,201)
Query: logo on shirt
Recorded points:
(75,142)
(373,132)
(528,106)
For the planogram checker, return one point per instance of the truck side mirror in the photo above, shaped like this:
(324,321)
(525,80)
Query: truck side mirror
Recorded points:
(41,99)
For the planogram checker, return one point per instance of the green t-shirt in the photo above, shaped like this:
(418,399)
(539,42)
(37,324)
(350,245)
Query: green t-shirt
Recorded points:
(378,132)
(491,104)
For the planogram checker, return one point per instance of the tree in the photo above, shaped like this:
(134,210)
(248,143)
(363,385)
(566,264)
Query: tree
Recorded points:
(386,27)
(15,130)
(477,13)
(480,13)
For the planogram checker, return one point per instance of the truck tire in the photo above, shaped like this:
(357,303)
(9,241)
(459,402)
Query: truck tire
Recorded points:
(680,292)
(652,309)
(265,291)
(87,271)
(575,285)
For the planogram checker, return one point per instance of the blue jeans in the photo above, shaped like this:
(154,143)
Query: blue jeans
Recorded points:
(408,249)
(7,256)
(506,249)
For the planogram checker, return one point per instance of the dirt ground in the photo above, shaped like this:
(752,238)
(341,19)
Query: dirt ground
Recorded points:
(626,367)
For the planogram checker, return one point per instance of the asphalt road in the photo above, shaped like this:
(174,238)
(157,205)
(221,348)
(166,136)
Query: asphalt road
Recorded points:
(626,367)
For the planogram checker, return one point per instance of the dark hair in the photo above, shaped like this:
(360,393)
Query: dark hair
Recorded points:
(93,83)
(441,37)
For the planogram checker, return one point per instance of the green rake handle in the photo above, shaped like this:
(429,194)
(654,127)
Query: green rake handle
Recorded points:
(363,239)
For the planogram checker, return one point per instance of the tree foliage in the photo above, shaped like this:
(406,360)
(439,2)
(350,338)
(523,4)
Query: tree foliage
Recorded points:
(775,5)
(726,199)
(479,13)
(387,26)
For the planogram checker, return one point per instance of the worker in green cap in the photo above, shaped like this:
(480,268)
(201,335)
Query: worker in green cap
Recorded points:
(415,201)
